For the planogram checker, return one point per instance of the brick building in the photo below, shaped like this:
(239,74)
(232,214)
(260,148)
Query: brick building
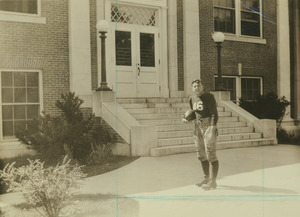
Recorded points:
(154,48)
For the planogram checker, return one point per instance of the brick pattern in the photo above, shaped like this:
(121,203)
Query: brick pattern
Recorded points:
(180,45)
(256,59)
(40,46)
(93,33)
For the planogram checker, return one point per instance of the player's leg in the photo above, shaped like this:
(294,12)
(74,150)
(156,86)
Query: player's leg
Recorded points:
(210,143)
(201,154)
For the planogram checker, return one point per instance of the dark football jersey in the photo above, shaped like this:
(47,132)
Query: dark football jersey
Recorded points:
(205,106)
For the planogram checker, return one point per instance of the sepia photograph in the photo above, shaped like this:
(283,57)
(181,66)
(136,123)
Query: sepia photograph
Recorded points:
(149,108)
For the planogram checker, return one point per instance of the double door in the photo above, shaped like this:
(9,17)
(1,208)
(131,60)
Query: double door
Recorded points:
(136,61)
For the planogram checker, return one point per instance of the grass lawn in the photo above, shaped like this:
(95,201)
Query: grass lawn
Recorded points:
(112,163)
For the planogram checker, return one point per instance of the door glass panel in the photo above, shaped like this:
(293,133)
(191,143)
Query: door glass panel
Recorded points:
(123,48)
(147,52)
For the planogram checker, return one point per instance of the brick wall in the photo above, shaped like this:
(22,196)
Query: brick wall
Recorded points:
(40,46)
(93,22)
(256,59)
(180,45)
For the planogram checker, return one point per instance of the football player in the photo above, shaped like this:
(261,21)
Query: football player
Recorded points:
(205,133)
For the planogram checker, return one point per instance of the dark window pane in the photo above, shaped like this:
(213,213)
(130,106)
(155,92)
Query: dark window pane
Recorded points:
(7,112)
(230,3)
(32,95)
(22,6)
(222,3)
(20,95)
(19,79)
(33,79)
(229,84)
(32,111)
(224,20)
(250,88)
(6,79)
(19,112)
(8,128)
(250,5)
(7,95)
(123,48)
(250,24)
(216,2)
(20,126)
(147,52)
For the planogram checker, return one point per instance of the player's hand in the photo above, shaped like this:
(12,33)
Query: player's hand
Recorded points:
(184,120)
(214,129)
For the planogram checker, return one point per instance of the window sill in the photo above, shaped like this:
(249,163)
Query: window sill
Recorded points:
(25,18)
(245,39)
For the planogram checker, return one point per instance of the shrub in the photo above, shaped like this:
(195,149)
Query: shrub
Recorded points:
(267,107)
(70,133)
(50,190)
(287,138)
(2,184)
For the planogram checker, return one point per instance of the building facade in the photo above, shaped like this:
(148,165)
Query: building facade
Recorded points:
(154,48)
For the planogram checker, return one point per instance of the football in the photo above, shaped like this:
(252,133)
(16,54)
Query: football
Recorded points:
(189,115)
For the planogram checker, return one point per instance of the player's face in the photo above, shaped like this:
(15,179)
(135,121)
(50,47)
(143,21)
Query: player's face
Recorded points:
(197,88)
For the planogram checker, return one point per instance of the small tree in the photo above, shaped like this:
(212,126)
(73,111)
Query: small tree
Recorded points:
(70,133)
(50,190)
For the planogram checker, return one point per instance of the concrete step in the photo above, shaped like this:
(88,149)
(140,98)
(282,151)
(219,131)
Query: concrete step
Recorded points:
(155,105)
(170,115)
(152,100)
(185,132)
(176,149)
(230,126)
(159,122)
(221,138)
(145,110)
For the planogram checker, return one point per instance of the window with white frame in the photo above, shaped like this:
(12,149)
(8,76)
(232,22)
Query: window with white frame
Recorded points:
(20,100)
(247,88)
(239,17)
(20,6)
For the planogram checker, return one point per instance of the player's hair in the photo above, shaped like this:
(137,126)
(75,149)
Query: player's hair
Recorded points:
(198,81)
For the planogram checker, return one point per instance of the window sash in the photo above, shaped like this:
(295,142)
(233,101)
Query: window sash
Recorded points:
(20,6)
(238,90)
(24,100)
(242,26)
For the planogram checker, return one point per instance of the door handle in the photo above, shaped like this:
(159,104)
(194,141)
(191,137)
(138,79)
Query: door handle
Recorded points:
(139,70)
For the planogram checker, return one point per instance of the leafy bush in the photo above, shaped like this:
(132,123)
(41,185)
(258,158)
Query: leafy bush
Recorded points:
(70,133)
(287,138)
(50,190)
(2,184)
(267,107)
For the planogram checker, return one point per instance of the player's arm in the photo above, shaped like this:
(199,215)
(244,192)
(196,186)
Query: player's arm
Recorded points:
(213,111)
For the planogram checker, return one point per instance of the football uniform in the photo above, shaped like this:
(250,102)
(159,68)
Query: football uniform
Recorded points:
(205,135)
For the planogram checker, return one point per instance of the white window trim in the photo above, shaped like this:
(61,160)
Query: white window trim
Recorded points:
(23,17)
(244,38)
(40,97)
(238,83)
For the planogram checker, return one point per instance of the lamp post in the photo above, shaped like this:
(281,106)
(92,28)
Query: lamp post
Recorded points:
(218,38)
(103,27)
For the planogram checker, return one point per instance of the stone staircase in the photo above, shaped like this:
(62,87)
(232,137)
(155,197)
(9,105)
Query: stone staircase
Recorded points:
(176,137)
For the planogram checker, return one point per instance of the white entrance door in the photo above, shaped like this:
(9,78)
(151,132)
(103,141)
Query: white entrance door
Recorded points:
(136,61)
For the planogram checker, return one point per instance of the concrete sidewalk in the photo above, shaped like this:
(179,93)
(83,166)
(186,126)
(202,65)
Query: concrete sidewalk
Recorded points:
(258,182)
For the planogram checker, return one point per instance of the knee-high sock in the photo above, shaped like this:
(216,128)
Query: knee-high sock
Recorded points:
(205,168)
(215,169)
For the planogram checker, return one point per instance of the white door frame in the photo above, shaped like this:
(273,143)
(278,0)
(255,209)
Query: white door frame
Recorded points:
(161,46)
